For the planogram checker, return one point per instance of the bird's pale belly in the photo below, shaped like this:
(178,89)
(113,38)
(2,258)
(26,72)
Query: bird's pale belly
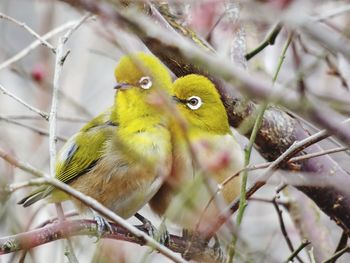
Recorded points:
(122,189)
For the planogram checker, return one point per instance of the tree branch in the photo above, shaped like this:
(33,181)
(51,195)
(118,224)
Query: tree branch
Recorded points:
(25,104)
(83,227)
(35,44)
(31,31)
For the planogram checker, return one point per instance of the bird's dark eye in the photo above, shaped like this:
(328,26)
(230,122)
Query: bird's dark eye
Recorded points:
(145,82)
(194,102)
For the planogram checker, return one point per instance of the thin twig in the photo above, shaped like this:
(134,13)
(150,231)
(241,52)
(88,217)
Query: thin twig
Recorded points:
(32,128)
(55,219)
(337,255)
(69,253)
(30,30)
(53,112)
(24,52)
(269,40)
(76,26)
(23,166)
(338,43)
(295,253)
(60,59)
(32,117)
(285,204)
(342,243)
(25,104)
(283,228)
(317,154)
(332,13)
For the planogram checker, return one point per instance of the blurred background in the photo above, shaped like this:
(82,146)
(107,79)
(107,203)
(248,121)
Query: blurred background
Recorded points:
(87,89)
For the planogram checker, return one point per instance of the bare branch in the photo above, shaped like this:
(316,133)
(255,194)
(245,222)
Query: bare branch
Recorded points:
(332,13)
(35,44)
(284,230)
(25,104)
(32,128)
(31,31)
(23,166)
(336,43)
(60,59)
(70,228)
(295,253)
(337,255)
(317,154)
(269,40)
(32,117)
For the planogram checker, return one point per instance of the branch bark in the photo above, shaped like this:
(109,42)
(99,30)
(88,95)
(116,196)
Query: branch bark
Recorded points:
(83,227)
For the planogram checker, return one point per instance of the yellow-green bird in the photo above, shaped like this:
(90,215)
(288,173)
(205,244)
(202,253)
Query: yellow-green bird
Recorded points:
(184,196)
(121,157)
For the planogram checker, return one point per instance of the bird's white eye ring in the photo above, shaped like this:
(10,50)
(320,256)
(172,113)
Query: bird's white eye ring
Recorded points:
(194,102)
(145,82)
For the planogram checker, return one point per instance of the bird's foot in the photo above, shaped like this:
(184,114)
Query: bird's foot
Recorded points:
(195,237)
(161,235)
(192,237)
(103,226)
(219,253)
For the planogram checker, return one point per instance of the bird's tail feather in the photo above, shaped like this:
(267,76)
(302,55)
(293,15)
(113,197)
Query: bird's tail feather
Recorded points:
(34,197)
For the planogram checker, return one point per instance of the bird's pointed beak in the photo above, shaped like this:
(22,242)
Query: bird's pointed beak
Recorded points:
(122,86)
(177,100)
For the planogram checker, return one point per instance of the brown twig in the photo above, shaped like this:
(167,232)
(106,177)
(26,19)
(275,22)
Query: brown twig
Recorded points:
(337,255)
(295,253)
(32,117)
(332,13)
(283,228)
(305,217)
(270,201)
(48,221)
(25,104)
(32,128)
(83,227)
(269,41)
(223,217)
(59,61)
(342,243)
(35,44)
(30,30)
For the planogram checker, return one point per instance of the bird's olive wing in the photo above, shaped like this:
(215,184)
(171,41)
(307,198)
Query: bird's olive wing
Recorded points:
(84,149)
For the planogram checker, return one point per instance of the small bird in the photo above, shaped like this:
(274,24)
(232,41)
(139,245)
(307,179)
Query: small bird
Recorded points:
(214,157)
(121,157)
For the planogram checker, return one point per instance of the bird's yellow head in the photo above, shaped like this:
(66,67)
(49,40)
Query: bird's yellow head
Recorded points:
(138,75)
(142,72)
(199,102)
